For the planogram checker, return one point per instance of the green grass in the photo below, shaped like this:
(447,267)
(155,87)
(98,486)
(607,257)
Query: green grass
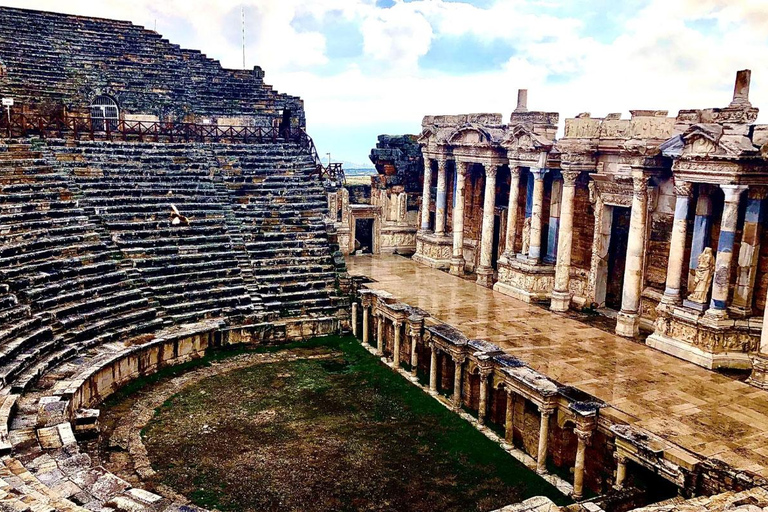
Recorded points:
(341,433)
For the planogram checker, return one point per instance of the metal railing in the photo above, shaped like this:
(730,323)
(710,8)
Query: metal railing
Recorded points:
(78,127)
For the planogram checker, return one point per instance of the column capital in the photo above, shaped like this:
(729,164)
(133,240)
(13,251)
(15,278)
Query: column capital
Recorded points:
(546,410)
(621,458)
(461,167)
(397,323)
(732,192)
(490,170)
(441,163)
(458,361)
(758,193)
(683,188)
(485,372)
(583,435)
(570,177)
(639,184)
(538,172)
(514,171)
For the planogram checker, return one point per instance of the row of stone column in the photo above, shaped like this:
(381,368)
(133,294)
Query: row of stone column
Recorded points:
(749,247)
(459,361)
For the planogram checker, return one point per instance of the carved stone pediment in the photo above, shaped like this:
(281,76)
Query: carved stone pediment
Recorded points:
(428,134)
(470,135)
(705,141)
(521,138)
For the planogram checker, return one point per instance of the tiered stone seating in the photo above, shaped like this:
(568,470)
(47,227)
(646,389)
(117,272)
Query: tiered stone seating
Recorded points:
(63,288)
(192,270)
(50,56)
(281,212)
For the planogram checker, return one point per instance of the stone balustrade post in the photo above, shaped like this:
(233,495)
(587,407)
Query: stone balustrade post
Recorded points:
(621,471)
(366,327)
(509,416)
(415,332)
(433,371)
(457,261)
(722,277)
(534,245)
(485,269)
(561,295)
(628,318)
(379,334)
(456,399)
(483,402)
(441,200)
(677,242)
(514,197)
(354,319)
(396,350)
(541,457)
(578,469)
(426,198)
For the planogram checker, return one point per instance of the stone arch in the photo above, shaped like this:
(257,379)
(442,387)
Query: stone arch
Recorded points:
(105,112)
(471,133)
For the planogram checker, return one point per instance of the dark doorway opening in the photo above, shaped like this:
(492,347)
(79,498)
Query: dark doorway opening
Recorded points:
(364,235)
(496,237)
(617,256)
(285,124)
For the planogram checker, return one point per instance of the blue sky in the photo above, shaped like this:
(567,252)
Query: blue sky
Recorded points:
(366,67)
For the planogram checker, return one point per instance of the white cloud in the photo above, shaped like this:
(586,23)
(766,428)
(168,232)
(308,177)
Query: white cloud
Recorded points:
(660,60)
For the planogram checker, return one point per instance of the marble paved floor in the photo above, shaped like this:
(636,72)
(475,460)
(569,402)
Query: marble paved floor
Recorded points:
(697,409)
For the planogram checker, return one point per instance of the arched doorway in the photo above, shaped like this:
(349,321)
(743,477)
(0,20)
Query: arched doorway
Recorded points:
(104,113)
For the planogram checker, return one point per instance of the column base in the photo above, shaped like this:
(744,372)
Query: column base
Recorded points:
(716,314)
(457,266)
(485,276)
(759,376)
(627,324)
(561,301)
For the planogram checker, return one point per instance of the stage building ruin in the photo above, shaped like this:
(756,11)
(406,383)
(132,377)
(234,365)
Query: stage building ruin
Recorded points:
(654,220)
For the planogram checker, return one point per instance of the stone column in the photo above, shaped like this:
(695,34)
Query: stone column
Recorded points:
(554,221)
(749,252)
(485,269)
(457,261)
(701,225)
(433,371)
(675,262)
(396,350)
(578,469)
(354,319)
(541,458)
(414,350)
(621,471)
(528,215)
(366,328)
(440,201)
(379,335)
(456,399)
(722,277)
(534,245)
(426,195)
(514,195)
(483,403)
(561,295)
(627,320)
(509,416)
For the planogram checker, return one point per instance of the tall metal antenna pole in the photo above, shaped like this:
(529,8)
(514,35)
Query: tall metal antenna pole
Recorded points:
(242,19)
